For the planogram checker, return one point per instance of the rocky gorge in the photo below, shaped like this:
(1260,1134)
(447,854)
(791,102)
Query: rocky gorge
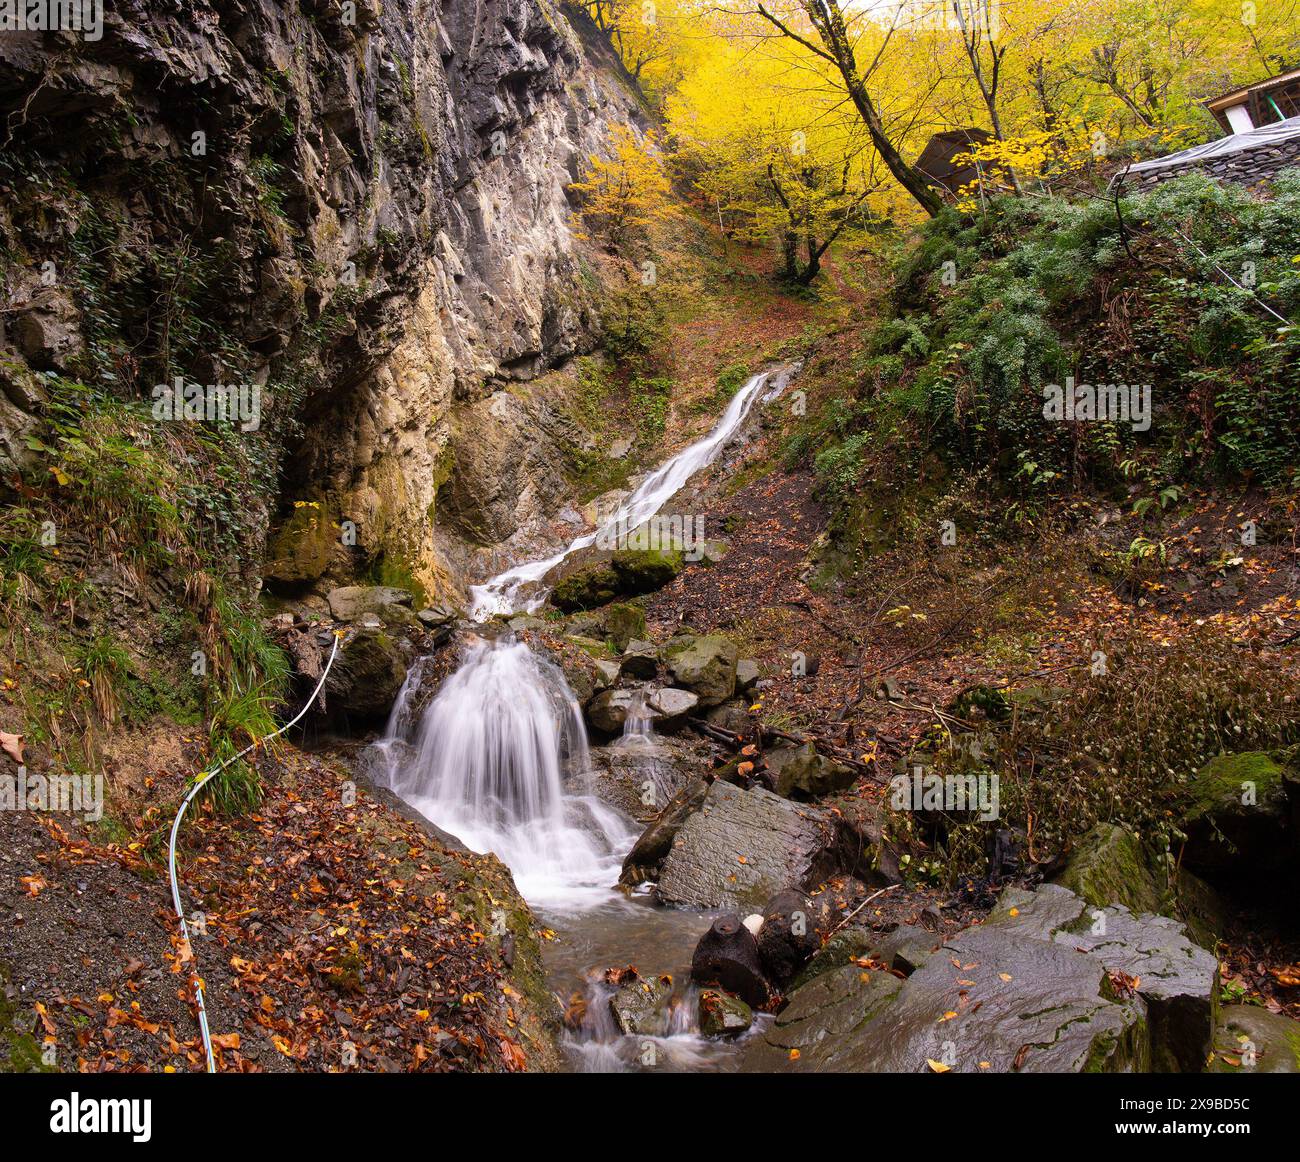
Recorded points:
(577,702)
(366,219)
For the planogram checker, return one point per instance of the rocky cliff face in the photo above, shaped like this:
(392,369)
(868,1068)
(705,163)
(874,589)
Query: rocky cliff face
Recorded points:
(361,209)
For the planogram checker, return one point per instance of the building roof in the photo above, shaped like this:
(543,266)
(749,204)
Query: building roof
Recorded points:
(936,160)
(1237,96)
(1262,137)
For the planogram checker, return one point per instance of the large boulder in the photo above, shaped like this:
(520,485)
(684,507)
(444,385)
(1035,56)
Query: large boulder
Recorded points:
(586,588)
(609,709)
(1238,818)
(800,772)
(1249,1039)
(300,551)
(1048,983)
(391,605)
(645,570)
(629,573)
(1177,980)
(1108,866)
(744,846)
(366,677)
(642,778)
(640,660)
(624,623)
(705,664)
(817,1031)
(904,948)
(668,706)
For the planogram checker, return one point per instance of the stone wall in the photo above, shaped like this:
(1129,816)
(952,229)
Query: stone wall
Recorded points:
(1246,167)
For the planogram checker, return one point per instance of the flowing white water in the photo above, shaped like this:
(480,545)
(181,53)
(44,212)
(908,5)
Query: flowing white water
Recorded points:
(500,760)
(519,589)
(638,726)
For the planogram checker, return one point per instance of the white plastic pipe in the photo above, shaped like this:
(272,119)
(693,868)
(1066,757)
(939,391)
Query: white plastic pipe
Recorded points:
(202,781)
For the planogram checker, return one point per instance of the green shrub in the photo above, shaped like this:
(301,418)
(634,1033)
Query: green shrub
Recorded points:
(1048,288)
(634,328)
(1120,746)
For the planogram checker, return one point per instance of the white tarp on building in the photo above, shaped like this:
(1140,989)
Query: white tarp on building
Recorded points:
(1264,136)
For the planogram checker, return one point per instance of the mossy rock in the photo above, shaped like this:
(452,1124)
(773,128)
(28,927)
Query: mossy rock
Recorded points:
(624,623)
(629,573)
(645,570)
(586,589)
(1220,785)
(847,945)
(1109,866)
(588,645)
(722,1015)
(1237,816)
(1201,908)
(1249,1039)
(705,665)
(300,551)
(367,676)
(801,773)
(20,1051)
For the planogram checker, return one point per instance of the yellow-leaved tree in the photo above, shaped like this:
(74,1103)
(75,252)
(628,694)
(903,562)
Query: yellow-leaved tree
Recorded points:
(623,194)
(774,165)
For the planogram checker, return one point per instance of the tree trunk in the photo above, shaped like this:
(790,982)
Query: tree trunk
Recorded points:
(837,50)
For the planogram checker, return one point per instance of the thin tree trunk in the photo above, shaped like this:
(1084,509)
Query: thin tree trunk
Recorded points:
(837,50)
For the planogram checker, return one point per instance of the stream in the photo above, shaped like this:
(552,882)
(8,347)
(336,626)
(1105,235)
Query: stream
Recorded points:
(500,759)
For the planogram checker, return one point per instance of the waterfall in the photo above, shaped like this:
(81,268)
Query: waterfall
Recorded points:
(499,759)
(519,588)
(499,756)
(638,726)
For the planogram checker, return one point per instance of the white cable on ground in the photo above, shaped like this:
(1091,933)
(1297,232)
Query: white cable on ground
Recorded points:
(176,826)
(1245,289)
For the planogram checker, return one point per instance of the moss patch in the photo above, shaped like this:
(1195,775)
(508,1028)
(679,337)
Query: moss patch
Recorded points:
(1108,866)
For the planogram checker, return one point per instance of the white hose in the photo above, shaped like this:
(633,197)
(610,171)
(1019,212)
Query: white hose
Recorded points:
(176,826)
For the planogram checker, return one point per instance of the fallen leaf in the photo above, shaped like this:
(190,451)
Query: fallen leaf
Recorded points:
(12,745)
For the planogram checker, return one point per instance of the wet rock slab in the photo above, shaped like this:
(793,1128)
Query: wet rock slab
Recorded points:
(744,846)
(1046,984)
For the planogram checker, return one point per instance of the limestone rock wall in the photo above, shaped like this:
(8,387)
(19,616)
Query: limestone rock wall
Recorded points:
(361,209)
